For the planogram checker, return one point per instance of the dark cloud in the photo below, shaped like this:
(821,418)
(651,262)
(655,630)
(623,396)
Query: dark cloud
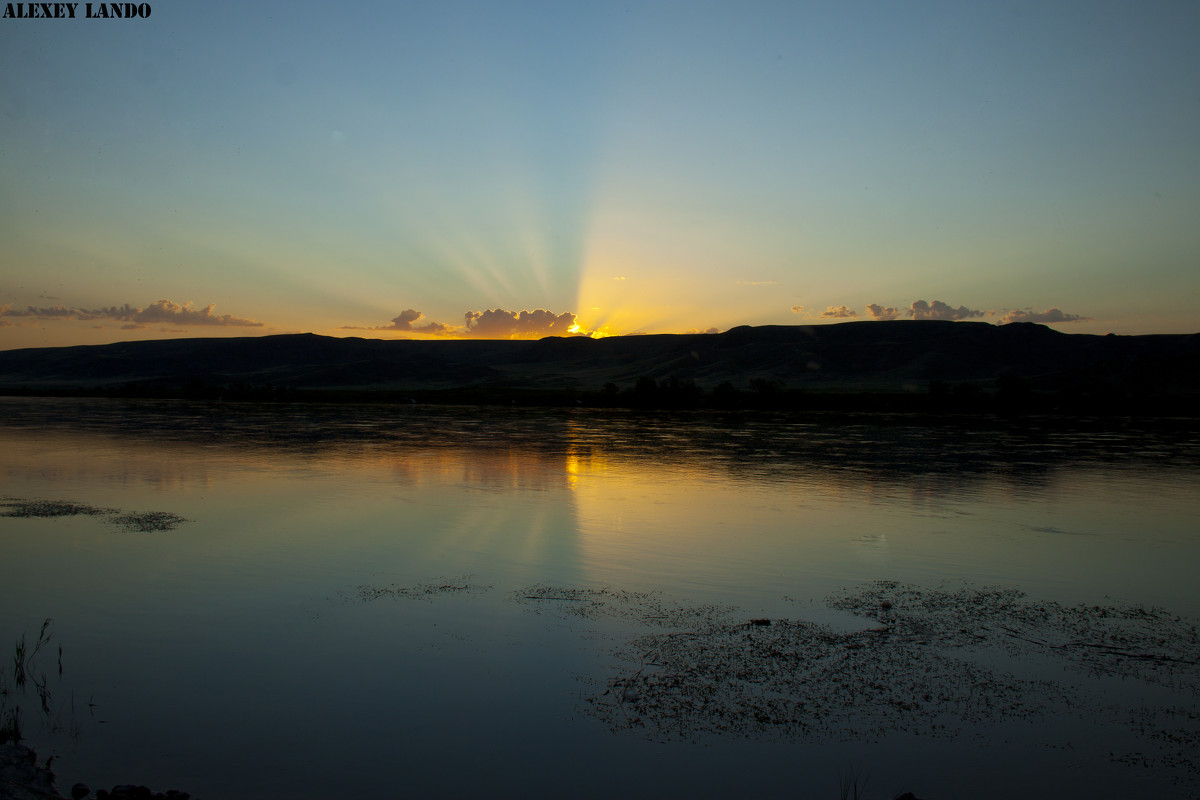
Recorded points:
(879,312)
(797,309)
(404,322)
(495,323)
(500,324)
(163,311)
(173,313)
(54,312)
(939,310)
(839,312)
(1049,315)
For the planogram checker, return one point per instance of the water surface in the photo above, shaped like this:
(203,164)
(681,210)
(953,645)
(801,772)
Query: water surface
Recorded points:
(353,603)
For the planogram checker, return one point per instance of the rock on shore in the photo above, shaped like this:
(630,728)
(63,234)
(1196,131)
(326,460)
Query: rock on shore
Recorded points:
(22,778)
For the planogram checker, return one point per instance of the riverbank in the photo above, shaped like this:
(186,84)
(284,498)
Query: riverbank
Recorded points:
(22,777)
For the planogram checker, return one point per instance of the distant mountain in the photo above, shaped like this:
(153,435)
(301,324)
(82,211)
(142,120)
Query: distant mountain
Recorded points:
(899,356)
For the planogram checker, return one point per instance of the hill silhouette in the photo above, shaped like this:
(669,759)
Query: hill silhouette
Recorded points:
(849,358)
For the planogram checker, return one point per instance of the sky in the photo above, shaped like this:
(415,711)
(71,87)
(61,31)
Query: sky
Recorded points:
(517,169)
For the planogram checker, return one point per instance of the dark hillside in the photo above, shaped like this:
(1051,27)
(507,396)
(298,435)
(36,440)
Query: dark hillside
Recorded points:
(856,357)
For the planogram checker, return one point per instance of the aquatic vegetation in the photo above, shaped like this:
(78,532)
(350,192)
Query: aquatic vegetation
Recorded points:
(647,608)
(799,679)
(852,786)
(23,656)
(19,507)
(1147,644)
(10,723)
(146,521)
(29,681)
(934,663)
(21,772)
(422,591)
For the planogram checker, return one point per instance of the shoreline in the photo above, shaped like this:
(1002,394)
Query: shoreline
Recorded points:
(23,778)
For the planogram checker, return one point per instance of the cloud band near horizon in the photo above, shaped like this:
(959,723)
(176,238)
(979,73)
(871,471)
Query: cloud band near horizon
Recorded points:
(496,323)
(161,312)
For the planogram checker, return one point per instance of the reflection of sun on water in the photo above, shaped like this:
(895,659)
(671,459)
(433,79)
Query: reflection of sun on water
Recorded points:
(572,467)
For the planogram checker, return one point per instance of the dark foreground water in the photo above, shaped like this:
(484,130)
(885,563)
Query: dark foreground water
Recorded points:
(304,602)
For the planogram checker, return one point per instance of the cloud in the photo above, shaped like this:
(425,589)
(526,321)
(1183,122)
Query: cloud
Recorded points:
(495,323)
(939,310)
(500,324)
(797,309)
(879,312)
(54,312)
(706,330)
(163,311)
(404,322)
(839,312)
(186,314)
(1049,315)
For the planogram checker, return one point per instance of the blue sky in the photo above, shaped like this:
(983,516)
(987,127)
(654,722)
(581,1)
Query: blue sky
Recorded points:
(391,169)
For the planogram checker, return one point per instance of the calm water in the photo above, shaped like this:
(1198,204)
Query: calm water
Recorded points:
(346,607)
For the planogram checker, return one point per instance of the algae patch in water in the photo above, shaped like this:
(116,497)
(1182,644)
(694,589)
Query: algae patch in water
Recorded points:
(933,663)
(19,507)
(1149,645)
(646,608)
(421,591)
(147,521)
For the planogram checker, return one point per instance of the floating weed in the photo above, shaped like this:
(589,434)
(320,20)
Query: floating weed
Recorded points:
(149,521)
(647,608)
(796,679)
(146,522)
(938,663)
(1148,644)
(19,507)
(421,591)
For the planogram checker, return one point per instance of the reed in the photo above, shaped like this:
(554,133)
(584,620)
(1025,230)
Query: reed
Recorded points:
(24,671)
(23,656)
(853,786)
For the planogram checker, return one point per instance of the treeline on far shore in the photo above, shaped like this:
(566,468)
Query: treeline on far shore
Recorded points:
(1005,395)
